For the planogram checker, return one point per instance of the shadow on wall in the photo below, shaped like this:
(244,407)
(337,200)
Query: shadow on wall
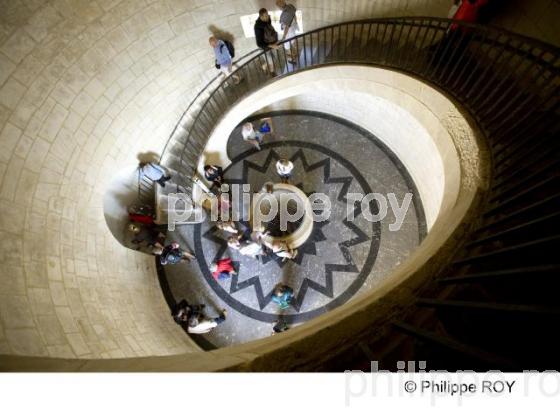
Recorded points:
(270,4)
(212,158)
(149,156)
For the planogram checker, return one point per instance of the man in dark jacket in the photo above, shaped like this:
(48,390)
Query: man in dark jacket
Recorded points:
(214,174)
(267,38)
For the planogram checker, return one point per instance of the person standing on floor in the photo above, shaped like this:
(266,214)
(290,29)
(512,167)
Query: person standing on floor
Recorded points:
(214,174)
(251,136)
(245,247)
(172,254)
(202,324)
(283,296)
(289,25)
(284,168)
(266,38)
(153,172)
(224,59)
(256,137)
(280,326)
(182,311)
(227,226)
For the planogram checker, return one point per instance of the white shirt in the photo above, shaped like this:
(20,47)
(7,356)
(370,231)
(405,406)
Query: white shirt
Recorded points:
(251,249)
(204,326)
(284,169)
(248,134)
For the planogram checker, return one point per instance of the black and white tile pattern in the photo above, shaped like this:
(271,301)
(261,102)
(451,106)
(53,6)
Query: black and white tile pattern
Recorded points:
(343,258)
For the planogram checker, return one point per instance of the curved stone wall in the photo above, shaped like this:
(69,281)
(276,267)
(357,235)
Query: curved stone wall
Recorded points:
(85,86)
(402,112)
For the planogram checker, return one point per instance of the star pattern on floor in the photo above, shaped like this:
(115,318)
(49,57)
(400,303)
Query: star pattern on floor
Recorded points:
(348,264)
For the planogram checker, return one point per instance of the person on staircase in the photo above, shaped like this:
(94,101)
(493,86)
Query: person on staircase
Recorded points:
(289,25)
(224,59)
(456,40)
(267,39)
(467,11)
(153,172)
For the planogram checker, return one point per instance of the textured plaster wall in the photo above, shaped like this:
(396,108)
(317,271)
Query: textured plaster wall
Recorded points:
(85,86)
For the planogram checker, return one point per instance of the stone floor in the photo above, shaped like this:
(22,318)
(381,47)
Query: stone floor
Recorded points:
(346,255)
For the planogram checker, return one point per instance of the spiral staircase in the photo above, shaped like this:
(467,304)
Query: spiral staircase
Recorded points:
(495,305)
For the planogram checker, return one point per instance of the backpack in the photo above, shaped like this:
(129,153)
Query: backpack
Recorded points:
(230,48)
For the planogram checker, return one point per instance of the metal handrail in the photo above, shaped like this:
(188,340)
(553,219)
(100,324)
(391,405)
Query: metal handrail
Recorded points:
(491,40)
(509,83)
(197,96)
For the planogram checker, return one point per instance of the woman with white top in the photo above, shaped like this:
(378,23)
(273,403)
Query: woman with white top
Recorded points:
(256,137)
(284,168)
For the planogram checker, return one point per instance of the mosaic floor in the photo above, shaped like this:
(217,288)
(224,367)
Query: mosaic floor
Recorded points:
(346,255)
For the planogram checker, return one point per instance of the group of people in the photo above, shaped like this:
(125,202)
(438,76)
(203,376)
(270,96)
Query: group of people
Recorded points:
(257,242)
(196,320)
(251,243)
(146,235)
(266,38)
